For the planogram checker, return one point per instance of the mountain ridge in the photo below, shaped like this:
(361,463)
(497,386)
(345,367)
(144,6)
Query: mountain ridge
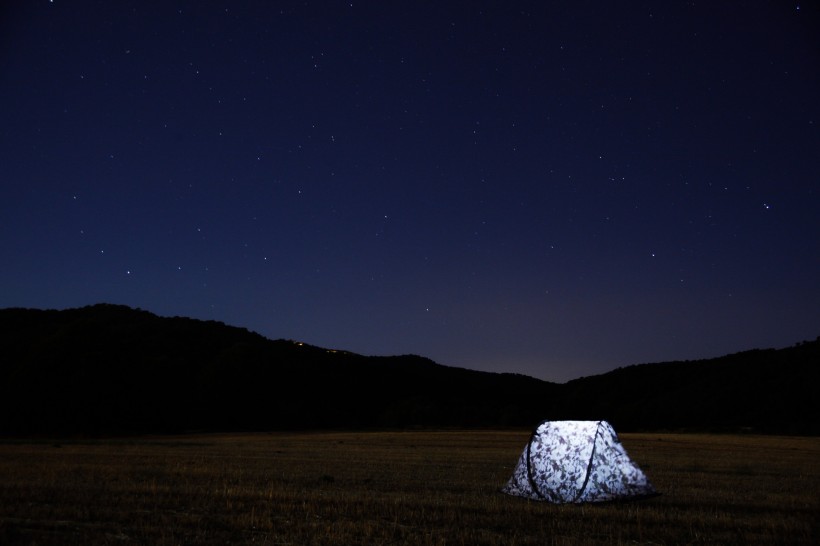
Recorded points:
(111,369)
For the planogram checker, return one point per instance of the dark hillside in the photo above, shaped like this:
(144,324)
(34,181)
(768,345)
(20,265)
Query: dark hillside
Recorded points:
(108,369)
(759,390)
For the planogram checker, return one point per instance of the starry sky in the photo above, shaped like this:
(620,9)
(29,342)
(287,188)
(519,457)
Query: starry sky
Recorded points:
(549,188)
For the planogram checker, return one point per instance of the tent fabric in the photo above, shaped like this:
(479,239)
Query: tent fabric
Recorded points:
(576,462)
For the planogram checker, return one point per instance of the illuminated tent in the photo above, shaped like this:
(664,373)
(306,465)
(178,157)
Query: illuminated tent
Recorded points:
(576,461)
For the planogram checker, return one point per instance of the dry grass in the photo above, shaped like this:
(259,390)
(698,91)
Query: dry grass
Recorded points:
(399,488)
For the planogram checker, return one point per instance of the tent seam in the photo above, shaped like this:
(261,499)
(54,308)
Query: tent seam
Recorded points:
(530,477)
(589,464)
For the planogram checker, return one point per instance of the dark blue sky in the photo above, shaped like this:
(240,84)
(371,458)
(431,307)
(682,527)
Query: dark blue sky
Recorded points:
(552,188)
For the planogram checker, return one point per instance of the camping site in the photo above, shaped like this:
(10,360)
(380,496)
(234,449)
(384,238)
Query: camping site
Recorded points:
(403,487)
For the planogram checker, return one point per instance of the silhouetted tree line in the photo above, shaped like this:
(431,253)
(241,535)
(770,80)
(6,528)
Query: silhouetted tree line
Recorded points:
(108,369)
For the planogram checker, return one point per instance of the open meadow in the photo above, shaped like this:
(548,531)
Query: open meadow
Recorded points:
(398,488)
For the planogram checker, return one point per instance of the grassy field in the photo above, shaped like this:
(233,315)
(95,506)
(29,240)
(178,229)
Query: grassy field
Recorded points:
(398,488)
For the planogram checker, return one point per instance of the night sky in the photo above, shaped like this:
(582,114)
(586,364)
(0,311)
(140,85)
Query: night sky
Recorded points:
(550,188)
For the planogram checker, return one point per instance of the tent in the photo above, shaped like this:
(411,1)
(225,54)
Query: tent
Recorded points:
(576,461)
